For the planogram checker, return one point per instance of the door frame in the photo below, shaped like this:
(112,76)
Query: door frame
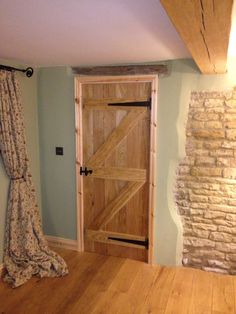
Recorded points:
(79,81)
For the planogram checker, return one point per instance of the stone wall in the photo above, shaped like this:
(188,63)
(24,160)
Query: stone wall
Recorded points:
(206,183)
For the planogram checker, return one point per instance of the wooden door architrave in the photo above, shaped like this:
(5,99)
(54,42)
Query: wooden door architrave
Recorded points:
(79,81)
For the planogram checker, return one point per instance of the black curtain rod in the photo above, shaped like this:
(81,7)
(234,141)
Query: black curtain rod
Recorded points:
(28,71)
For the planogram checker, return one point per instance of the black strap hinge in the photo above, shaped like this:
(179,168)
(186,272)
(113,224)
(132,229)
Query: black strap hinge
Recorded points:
(144,243)
(133,104)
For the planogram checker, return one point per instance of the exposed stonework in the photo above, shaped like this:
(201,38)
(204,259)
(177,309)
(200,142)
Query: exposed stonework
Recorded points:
(206,183)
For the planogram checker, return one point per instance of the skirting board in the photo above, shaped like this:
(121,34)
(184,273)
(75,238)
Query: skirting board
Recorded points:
(62,243)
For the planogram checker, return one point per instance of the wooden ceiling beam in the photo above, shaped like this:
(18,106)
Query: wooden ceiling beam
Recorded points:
(140,69)
(204,26)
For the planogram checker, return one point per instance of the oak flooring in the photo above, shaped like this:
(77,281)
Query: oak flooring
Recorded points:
(106,284)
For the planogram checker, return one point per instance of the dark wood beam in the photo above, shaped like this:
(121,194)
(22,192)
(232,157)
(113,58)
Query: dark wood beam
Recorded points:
(121,70)
(204,26)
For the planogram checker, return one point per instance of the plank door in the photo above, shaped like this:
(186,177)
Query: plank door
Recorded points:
(116,147)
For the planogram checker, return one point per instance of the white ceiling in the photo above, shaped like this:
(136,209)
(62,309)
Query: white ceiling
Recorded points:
(87,32)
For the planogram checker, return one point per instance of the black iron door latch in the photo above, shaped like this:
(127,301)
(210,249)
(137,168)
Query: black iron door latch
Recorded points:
(84,171)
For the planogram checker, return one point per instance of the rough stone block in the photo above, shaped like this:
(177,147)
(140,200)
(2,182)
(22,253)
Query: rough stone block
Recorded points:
(205,161)
(180,184)
(228,144)
(196,103)
(231,103)
(203,192)
(184,170)
(216,263)
(198,198)
(214,215)
(226,223)
(208,134)
(193,111)
(183,210)
(220,237)
(201,185)
(232,202)
(215,270)
(193,143)
(229,173)
(226,162)
(231,111)
(200,233)
(182,194)
(231,257)
(182,203)
(213,125)
(203,171)
(231,134)
(196,212)
(198,205)
(216,110)
(231,217)
(214,103)
(209,193)
(195,242)
(222,153)
(203,116)
(228,94)
(212,144)
(230,125)
(222,208)
(202,220)
(226,247)
(217,200)
(187,161)
(227,230)
(187,232)
(229,117)
(202,226)
(195,125)
(196,260)
(196,152)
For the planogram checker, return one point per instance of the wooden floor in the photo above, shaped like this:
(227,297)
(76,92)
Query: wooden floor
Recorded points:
(102,284)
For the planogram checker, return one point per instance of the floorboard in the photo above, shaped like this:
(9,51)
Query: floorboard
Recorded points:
(105,284)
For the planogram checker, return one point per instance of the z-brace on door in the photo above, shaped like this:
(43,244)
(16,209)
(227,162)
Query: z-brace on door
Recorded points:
(115,169)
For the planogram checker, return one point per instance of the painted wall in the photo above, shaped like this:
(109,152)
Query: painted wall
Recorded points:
(56,124)
(57,128)
(29,97)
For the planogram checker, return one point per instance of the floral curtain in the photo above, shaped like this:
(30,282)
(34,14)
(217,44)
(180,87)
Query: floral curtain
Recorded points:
(26,252)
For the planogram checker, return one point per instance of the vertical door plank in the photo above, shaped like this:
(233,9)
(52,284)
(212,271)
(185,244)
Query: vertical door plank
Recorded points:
(116,204)
(123,129)
(99,137)
(88,184)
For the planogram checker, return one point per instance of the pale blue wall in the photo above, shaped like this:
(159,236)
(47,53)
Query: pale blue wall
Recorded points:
(57,128)
(56,122)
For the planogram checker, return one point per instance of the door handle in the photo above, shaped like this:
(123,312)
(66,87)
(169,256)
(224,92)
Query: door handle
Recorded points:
(84,171)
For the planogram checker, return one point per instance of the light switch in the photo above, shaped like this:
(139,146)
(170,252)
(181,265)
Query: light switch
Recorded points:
(59,151)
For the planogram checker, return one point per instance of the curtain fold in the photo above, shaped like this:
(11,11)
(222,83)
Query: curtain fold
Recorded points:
(26,252)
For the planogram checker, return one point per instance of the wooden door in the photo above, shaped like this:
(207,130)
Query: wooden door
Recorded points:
(116,147)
